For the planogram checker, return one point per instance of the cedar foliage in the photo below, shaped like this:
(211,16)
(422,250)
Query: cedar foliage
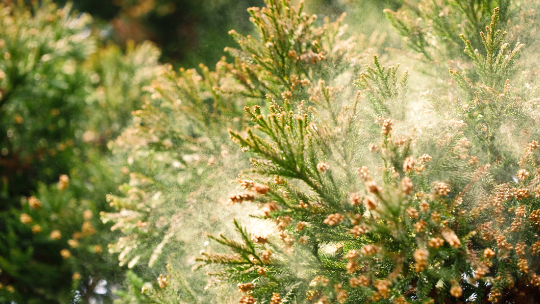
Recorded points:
(363,198)
(355,180)
(63,95)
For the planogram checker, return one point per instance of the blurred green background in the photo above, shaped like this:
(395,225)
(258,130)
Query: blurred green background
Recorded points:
(189,32)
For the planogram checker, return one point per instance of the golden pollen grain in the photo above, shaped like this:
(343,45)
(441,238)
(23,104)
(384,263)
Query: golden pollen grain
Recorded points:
(435,242)
(63,182)
(421,257)
(370,203)
(522,174)
(163,282)
(355,199)
(334,219)
(323,167)
(276,298)
(25,218)
(66,254)
(408,164)
(36,229)
(56,235)
(406,185)
(34,202)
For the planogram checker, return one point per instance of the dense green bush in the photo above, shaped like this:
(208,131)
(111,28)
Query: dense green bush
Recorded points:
(63,97)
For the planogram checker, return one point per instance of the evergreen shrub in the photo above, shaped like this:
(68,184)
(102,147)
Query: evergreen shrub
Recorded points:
(372,182)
